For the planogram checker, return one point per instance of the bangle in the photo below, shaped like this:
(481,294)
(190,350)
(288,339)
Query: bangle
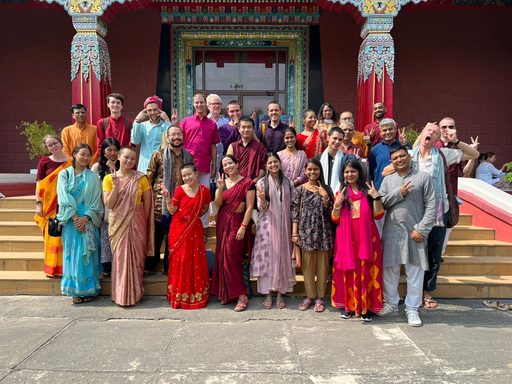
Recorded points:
(377,198)
(243,226)
(295,235)
(336,207)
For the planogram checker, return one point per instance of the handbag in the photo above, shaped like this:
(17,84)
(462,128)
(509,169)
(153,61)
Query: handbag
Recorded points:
(453,210)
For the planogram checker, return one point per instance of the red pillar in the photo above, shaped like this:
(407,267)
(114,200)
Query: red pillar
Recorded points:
(90,66)
(375,69)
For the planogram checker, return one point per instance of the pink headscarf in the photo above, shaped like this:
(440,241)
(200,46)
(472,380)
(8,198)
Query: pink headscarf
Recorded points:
(153,99)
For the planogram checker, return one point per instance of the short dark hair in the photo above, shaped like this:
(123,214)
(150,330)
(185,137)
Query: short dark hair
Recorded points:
(77,106)
(275,102)
(117,96)
(191,166)
(247,119)
(334,130)
(399,148)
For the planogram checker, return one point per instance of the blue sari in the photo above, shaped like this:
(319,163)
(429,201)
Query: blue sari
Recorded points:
(80,194)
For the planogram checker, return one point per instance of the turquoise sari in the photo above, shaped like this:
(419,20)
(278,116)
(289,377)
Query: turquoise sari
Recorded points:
(80,194)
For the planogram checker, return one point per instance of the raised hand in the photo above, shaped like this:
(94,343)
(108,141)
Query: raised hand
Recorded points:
(322,192)
(372,191)
(163,115)
(474,142)
(402,136)
(165,191)
(366,139)
(340,197)
(174,116)
(221,181)
(111,164)
(452,135)
(291,123)
(115,178)
(373,131)
(142,116)
(405,188)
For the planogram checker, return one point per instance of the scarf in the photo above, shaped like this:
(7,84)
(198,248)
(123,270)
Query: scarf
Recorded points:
(438,180)
(345,257)
(336,169)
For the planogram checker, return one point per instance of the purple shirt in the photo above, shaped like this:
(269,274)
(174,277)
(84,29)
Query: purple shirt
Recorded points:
(272,138)
(227,135)
(199,135)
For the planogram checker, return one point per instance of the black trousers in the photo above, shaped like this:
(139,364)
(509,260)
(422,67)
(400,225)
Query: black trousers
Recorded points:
(161,235)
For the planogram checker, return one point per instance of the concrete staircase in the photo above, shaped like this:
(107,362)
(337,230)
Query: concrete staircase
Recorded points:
(476,265)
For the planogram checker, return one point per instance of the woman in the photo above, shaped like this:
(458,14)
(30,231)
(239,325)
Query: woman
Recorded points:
(235,199)
(327,118)
(293,161)
(188,284)
(127,194)
(80,210)
(108,161)
(271,262)
(486,171)
(312,232)
(48,170)
(357,277)
(311,140)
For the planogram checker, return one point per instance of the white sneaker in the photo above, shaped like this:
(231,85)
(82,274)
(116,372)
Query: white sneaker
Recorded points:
(413,319)
(387,309)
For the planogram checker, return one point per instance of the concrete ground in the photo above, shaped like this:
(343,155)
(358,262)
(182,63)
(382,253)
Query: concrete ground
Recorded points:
(49,340)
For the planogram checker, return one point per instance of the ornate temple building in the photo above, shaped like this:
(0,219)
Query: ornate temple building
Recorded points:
(423,59)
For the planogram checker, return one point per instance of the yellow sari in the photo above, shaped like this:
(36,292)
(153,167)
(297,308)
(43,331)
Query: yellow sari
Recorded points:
(47,194)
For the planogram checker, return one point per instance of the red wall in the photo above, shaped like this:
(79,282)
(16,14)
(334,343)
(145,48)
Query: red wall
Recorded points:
(457,63)
(34,77)
(35,70)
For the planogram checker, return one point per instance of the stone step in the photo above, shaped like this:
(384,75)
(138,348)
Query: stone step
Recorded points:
(25,202)
(17,214)
(36,283)
(467,232)
(478,248)
(21,243)
(21,261)
(25,228)
(465,219)
(477,265)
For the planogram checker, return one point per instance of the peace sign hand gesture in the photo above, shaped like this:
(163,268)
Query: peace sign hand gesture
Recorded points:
(372,191)
(115,178)
(221,181)
(474,142)
(405,188)
(165,191)
(402,136)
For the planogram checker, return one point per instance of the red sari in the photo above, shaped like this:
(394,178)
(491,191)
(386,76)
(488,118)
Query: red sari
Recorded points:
(313,144)
(357,275)
(188,284)
(228,280)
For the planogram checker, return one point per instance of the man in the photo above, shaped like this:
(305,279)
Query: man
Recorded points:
(201,137)
(214,105)
(426,157)
(409,200)
(149,126)
(79,133)
(115,125)
(250,153)
(379,154)
(347,146)
(372,130)
(165,168)
(358,138)
(332,159)
(271,133)
(228,133)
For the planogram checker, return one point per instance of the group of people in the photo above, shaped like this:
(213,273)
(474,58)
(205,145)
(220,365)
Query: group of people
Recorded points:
(327,199)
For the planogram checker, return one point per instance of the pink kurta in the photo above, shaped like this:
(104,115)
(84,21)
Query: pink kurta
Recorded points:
(271,261)
(294,166)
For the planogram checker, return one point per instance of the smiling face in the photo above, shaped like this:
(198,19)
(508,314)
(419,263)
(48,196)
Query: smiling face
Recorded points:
(289,140)
(388,133)
(229,166)
(430,135)
(274,112)
(175,137)
(214,106)
(53,145)
(310,119)
(127,159)
(273,165)
(82,157)
(234,112)
(348,132)
(312,172)
(445,125)
(379,110)
(153,112)
(327,112)
(80,115)
(199,104)
(114,105)
(401,160)
(189,176)
(351,175)
(111,152)
(335,140)
(246,130)
(347,116)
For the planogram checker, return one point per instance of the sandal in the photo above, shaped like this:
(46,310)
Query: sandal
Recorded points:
(267,303)
(306,303)
(429,303)
(319,306)
(242,304)
(280,303)
(88,299)
(78,300)
(495,304)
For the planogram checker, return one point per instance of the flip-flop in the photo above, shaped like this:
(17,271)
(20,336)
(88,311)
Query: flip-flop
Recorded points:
(495,304)
(267,303)
(430,303)
(306,303)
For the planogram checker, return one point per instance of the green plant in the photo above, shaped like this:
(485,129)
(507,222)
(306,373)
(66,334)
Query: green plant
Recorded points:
(509,166)
(411,134)
(34,132)
(508,177)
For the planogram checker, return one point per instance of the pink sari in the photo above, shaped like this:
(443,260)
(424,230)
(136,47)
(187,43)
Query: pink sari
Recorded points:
(228,280)
(131,240)
(357,275)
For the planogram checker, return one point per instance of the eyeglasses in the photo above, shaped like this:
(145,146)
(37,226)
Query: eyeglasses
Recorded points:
(214,103)
(53,144)
(447,126)
(348,130)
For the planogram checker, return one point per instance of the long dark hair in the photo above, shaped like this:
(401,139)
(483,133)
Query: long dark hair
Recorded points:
(353,162)
(103,169)
(77,149)
(321,112)
(282,179)
(321,180)
(293,132)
